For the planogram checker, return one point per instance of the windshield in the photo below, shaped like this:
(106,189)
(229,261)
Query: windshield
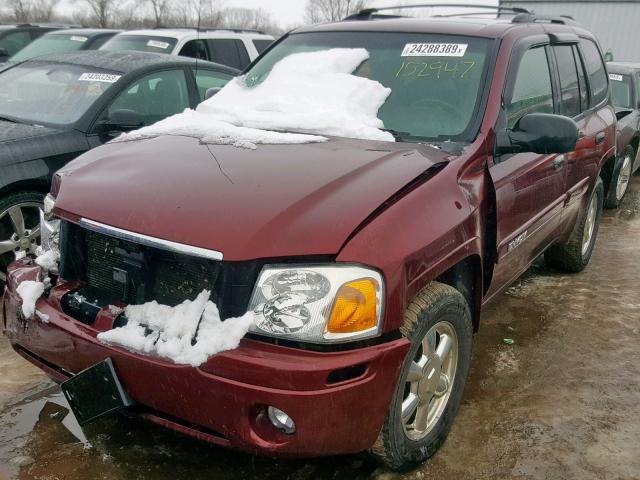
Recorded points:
(434,79)
(141,43)
(59,94)
(48,45)
(621,90)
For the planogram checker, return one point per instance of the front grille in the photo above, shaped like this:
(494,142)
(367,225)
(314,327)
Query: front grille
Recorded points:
(134,273)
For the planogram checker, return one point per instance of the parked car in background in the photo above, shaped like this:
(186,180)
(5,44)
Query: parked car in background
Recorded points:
(62,41)
(54,109)
(14,38)
(625,94)
(365,264)
(235,48)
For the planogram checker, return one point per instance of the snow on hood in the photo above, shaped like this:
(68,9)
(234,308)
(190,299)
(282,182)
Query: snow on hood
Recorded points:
(311,93)
(168,331)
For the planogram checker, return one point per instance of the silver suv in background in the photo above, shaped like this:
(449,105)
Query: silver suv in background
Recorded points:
(235,48)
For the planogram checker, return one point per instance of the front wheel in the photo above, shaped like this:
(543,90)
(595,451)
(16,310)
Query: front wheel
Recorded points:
(574,255)
(19,227)
(429,391)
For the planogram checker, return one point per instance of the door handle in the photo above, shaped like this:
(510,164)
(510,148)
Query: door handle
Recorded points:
(559,162)
(600,138)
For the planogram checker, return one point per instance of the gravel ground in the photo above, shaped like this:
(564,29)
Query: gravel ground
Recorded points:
(561,402)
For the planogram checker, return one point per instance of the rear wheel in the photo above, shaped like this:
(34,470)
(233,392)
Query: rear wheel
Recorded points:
(574,255)
(429,391)
(620,178)
(19,227)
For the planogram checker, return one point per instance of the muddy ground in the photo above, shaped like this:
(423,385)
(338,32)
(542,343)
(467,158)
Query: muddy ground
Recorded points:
(561,402)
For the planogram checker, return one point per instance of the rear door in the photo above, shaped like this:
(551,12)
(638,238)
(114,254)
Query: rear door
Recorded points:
(529,187)
(593,114)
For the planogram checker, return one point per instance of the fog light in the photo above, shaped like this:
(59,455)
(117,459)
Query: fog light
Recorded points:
(281,420)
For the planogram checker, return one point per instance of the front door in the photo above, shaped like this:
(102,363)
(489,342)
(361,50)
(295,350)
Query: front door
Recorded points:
(529,187)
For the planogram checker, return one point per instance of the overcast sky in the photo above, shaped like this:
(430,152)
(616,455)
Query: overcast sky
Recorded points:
(291,12)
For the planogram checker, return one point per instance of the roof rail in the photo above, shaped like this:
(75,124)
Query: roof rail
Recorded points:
(532,18)
(370,13)
(212,29)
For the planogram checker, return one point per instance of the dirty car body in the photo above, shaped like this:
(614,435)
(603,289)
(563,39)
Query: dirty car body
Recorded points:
(469,210)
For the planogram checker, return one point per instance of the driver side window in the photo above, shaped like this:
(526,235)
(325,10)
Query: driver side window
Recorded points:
(532,92)
(154,97)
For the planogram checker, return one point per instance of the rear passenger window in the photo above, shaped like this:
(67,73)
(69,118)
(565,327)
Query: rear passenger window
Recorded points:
(261,45)
(569,88)
(229,52)
(582,80)
(532,89)
(596,72)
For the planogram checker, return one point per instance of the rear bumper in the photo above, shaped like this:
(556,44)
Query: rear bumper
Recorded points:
(337,408)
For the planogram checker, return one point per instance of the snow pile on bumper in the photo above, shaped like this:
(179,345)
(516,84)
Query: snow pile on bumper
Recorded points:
(313,93)
(168,332)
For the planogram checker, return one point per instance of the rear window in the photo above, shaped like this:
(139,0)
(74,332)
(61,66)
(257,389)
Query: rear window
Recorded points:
(596,71)
(261,45)
(569,87)
(141,43)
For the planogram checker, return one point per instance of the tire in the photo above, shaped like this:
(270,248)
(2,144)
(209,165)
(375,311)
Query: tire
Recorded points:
(28,201)
(620,177)
(574,255)
(400,447)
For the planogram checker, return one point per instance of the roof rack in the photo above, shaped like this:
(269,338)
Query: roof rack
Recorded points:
(213,29)
(371,13)
(532,18)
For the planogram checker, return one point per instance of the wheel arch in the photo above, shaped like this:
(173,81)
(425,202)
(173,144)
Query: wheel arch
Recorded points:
(34,184)
(466,277)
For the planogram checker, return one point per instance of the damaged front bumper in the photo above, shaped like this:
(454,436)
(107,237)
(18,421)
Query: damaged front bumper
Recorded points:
(338,400)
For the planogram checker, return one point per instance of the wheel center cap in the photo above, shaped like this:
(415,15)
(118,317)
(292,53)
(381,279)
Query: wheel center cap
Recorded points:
(430,380)
(24,244)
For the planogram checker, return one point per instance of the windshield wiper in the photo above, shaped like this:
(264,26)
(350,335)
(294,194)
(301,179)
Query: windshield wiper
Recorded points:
(399,136)
(8,119)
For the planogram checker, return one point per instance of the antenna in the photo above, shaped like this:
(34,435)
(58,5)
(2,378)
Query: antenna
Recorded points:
(198,40)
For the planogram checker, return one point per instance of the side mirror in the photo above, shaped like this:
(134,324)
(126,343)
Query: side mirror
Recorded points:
(122,120)
(211,92)
(542,133)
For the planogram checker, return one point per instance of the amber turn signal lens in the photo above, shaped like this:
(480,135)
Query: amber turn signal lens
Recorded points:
(355,308)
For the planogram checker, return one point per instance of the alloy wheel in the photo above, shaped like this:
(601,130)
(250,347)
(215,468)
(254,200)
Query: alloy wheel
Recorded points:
(589,224)
(623,177)
(19,233)
(430,381)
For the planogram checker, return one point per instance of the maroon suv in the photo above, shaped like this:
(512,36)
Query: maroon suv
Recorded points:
(500,143)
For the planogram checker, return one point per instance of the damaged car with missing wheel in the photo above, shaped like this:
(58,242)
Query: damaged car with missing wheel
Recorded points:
(297,267)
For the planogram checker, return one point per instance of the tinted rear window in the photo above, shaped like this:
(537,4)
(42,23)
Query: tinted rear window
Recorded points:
(229,52)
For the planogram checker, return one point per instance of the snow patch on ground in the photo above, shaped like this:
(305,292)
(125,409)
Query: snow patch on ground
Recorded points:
(30,292)
(312,93)
(167,332)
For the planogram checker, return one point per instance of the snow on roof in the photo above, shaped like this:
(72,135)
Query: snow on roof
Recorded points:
(312,94)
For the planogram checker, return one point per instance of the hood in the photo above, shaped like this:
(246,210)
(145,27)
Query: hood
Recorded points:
(10,131)
(275,201)
(21,142)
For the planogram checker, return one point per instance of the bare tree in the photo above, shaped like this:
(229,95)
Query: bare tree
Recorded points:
(159,10)
(42,10)
(249,19)
(21,10)
(102,12)
(318,11)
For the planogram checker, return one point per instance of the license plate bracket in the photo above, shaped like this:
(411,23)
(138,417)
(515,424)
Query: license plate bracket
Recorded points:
(95,392)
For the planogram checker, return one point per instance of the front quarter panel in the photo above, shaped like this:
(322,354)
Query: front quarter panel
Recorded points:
(418,238)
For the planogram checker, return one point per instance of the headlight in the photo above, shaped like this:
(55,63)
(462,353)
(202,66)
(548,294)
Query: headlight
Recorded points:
(318,304)
(49,226)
